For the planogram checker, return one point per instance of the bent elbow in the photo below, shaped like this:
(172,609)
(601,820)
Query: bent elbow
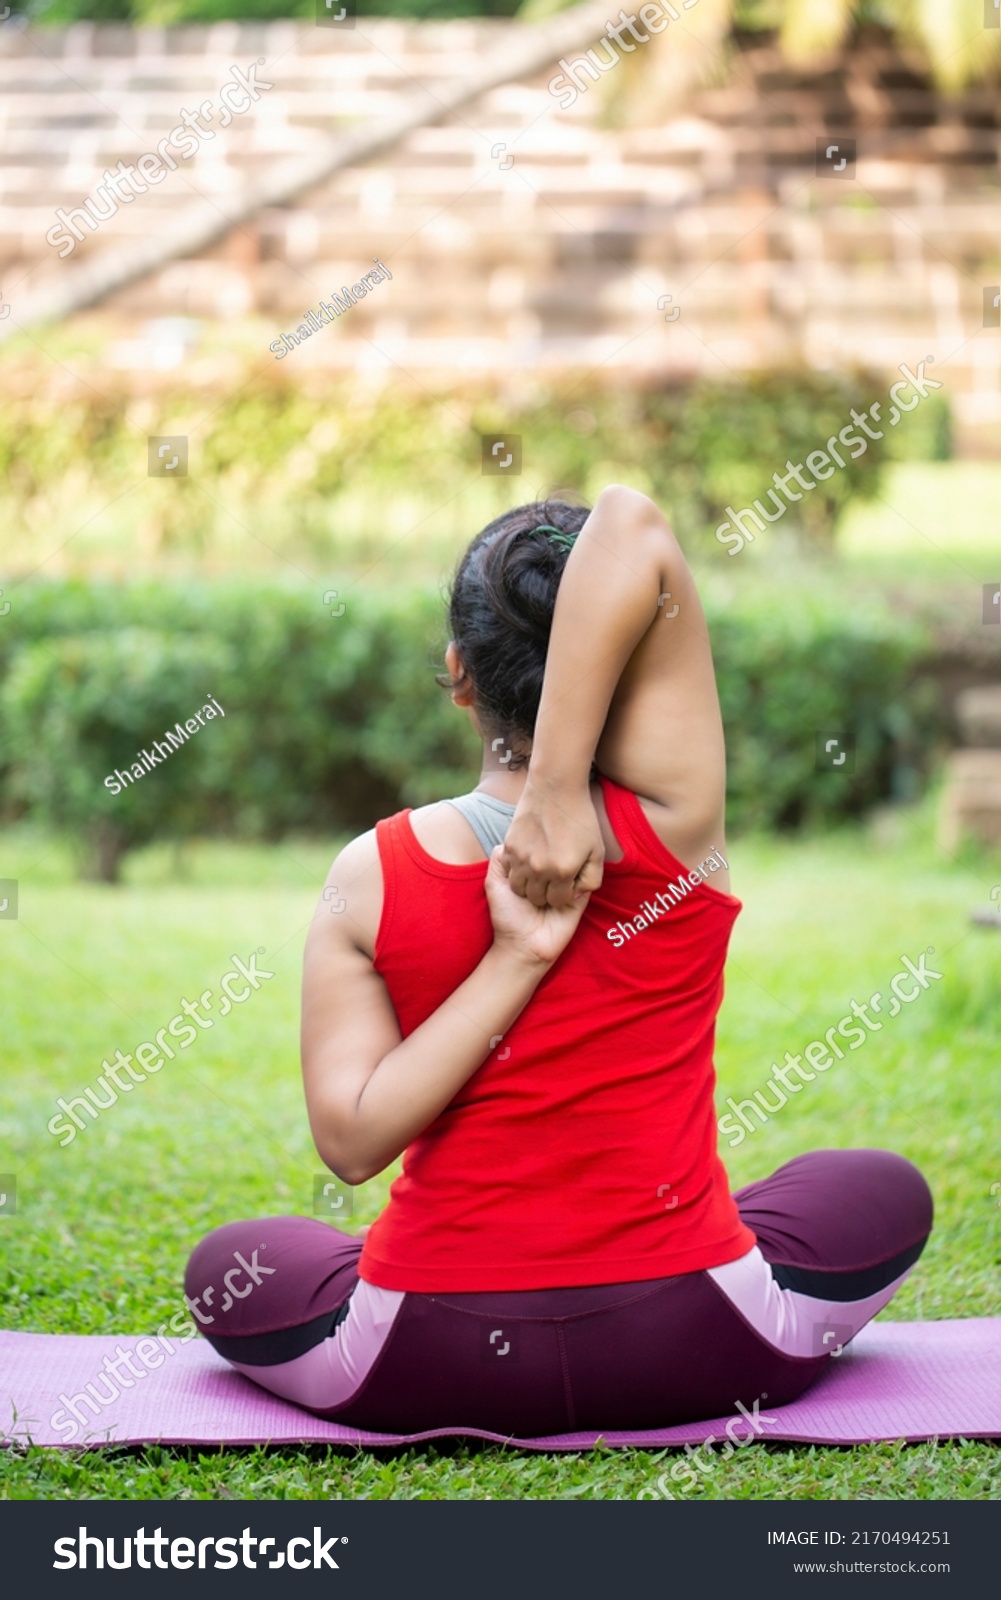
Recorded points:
(622,498)
(349,1170)
(634,509)
(347,1165)
(354,1176)
(345,1140)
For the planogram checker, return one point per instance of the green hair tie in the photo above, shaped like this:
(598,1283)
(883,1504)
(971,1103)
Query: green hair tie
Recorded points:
(557,536)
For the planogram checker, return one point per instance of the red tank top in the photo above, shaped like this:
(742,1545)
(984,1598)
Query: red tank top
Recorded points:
(583,1150)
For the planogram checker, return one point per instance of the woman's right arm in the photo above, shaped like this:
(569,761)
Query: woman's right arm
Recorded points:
(369,1092)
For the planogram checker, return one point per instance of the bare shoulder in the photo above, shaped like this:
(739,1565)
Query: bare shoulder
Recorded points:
(350,907)
(444,833)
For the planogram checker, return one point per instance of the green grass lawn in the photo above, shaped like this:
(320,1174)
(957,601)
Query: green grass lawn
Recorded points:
(104,1226)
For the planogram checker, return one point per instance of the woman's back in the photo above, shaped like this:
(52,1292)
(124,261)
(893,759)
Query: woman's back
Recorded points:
(591,1122)
(533,1033)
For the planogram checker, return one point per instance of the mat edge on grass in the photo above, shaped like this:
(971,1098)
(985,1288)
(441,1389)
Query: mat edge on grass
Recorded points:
(945,1370)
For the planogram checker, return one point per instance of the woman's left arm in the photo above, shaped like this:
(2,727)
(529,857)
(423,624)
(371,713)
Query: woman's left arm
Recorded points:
(630,685)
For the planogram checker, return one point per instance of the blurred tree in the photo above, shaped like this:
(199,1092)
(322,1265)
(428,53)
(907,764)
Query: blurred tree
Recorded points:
(948,35)
(78,711)
(171,13)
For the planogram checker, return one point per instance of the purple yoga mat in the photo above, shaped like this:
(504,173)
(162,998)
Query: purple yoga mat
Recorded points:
(899,1380)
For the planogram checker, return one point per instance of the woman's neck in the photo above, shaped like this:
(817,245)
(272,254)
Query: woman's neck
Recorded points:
(496,777)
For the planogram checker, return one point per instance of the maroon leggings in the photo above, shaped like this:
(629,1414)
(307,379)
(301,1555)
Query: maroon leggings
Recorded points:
(837,1232)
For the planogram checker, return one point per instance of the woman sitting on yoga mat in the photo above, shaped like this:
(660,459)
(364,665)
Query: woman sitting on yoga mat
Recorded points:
(518,993)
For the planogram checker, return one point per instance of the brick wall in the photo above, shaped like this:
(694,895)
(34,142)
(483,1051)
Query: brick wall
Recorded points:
(553,251)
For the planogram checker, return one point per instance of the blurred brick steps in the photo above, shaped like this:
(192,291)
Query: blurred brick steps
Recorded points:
(559,257)
(971,799)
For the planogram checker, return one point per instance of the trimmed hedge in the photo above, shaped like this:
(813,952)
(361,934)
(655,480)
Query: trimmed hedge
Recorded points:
(318,471)
(333,720)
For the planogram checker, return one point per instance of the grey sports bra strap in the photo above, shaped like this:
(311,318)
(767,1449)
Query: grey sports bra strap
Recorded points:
(488,818)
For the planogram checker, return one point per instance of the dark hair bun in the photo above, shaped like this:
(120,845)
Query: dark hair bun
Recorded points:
(501,611)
